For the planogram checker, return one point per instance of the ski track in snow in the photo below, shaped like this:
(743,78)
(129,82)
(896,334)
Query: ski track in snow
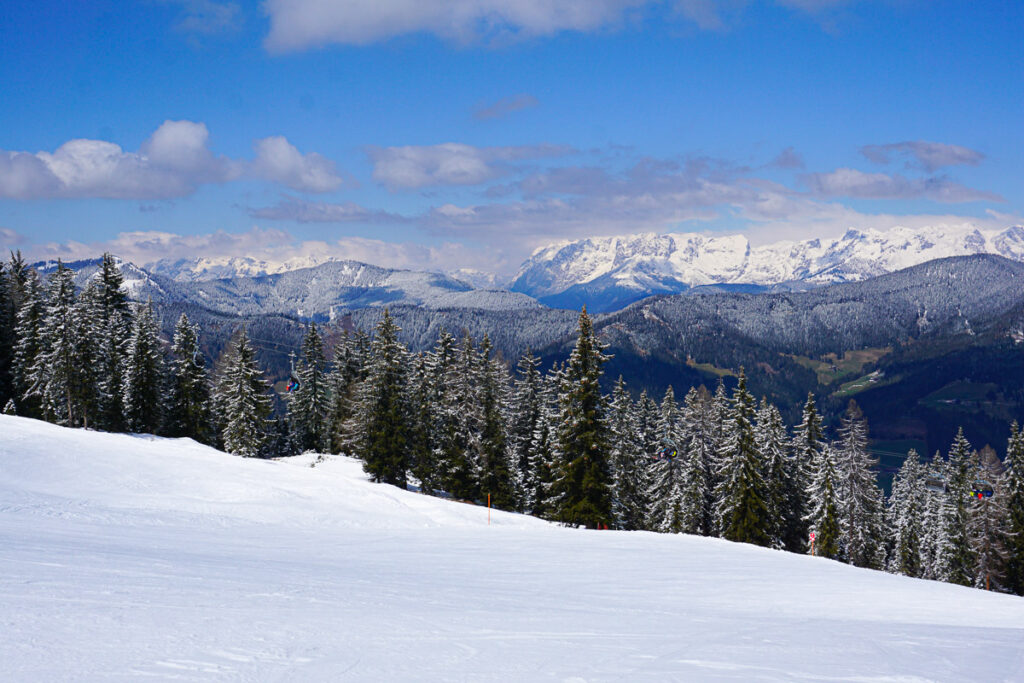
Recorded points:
(134,558)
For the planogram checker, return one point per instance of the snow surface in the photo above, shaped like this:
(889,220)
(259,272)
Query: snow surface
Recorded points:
(137,558)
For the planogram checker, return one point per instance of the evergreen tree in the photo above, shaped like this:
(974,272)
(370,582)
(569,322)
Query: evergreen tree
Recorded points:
(242,400)
(808,442)
(112,322)
(905,518)
(7,325)
(583,482)
(1015,511)
(382,413)
(771,440)
(462,458)
(824,504)
(350,365)
(433,469)
(143,389)
(526,414)
(860,507)
(962,466)
(495,474)
(54,376)
(666,484)
(309,406)
(935,543)
(188,410)
(542,450)
(628,461)
(421,437)
(28,344)
(989,524)
(697,452)
(742,511)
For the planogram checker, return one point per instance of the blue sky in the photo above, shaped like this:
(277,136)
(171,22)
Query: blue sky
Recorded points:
(465,133)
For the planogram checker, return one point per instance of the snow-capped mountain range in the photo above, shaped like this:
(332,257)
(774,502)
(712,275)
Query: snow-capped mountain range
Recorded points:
(608,273)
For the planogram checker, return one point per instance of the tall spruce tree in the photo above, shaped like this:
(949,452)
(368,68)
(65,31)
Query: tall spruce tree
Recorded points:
(351,356)
(584,479)
(989,524)
(113,328)
(54,376)
(905,518)
(742,491)
(542,449)
(188,409)
(962,467)
(495,473)
(143,390)
(771,439)
(697,452)
(860,507)
(935,542)
(666,481)
(628,462)
(1015,511)
(7,325)
(309,406)
(421,435)
(808,441)
(527,413)
(382,413)
(28,344)
(243,404)
(824,504)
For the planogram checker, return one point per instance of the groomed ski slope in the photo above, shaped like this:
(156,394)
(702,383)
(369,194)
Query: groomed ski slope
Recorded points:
(136,558)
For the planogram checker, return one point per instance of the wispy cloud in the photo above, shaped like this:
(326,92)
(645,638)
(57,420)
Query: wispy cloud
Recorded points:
(505,106)
(301,211)
(174,162)
(10,239)
(207,17)
(849,182)
(413,167)
(929,156)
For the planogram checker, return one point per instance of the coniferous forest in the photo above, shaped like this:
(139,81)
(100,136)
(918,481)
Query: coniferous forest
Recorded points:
(457,421)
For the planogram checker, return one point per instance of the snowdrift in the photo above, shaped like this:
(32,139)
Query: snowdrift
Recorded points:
(133,557)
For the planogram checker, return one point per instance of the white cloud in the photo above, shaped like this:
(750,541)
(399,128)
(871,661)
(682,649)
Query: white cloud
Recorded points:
(300,24)
(849,182)
(930,156)
(207,17)
(10,239)
(277,160)
(174,162)
(450,163)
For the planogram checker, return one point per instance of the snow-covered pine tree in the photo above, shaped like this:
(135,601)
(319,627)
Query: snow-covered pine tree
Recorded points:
(7,324)
(1015,510)
(28,344)
(742,510)
(495,473)
(962,467)
(935,541)
(113,330)
(860,499)
(665,490)
(243,404)
(432,468)
(382,411)
(772,443)
(87,321)
(989,524)
(309,405)
(421,438)
(584,479)
(526,414)
(462,458)
(905,518)
(543,502)
(719,423)
(808,441)
(54,374)
(188,410)
(144,382)
(823,504)
(350,363)
(698,452)
(629,502)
